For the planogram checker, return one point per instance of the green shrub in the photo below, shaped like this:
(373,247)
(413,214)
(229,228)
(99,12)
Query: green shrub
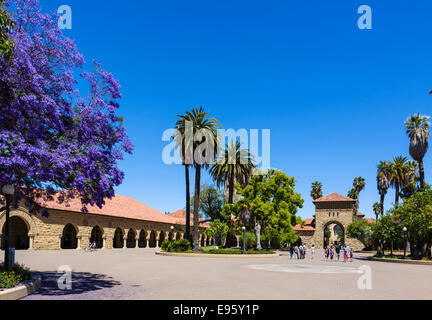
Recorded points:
(11,278)
(182,245)
(238,251)
(250,239)
(166,245)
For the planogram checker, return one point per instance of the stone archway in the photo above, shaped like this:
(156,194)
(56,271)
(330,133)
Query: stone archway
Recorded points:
(333,233)
(161,238)
(131,239)
(152,241)
(96,236)
(18,233)
(118,239)
(69,238)
(142,241)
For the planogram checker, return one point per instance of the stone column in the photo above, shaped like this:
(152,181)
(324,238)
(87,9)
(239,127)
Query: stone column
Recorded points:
(78,243)
(136,240)
(31,242)
(147,239)
(124,242)
(157,238)
(104,241)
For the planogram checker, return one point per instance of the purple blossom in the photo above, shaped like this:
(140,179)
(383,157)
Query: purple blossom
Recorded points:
(52,140)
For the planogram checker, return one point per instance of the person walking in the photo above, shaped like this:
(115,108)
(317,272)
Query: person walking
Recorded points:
(331,253)
(326,253)
(304,251)
(312,251)
(296,251)
(338,249)
(351,255)
(291,252)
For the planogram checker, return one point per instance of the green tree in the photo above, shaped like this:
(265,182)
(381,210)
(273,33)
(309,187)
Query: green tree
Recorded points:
(316,190)
(218,230)
(201,142)
(235,164)
(358,185)
(383,181)
(272,201)
(402,173)
(6,26)
(376,207)
(390,229)
(416,215)
(417,129)
(362,231)
(211,202)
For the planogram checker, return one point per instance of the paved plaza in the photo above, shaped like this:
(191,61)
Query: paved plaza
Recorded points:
(140,274)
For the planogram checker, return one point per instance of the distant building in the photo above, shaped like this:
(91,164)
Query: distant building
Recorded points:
(122,223)
(333,212)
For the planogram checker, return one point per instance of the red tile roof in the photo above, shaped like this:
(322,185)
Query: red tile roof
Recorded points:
(180,216)
(309,225)
(119,206)
(334,197)
(359,214)
(370,220)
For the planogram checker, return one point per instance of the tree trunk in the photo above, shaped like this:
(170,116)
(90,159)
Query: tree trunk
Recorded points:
(231,201)
(188,207)
(396,193)
(196,207)
(258,235)
(391,248)
(381,205)
(421,169)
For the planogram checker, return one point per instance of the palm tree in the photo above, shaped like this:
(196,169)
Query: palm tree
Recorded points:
(377,209)
(233,165)
(203,146)
(185,145)
(417,129)
(402,172)
(383,181)
(358,185)
(316,190)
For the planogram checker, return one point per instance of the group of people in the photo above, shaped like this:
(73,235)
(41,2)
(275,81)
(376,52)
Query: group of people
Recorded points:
(299,252)
(331,253)
(91,246)
(334,252)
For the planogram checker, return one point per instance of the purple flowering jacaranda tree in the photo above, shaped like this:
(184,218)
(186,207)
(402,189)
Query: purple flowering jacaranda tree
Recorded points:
(52,140)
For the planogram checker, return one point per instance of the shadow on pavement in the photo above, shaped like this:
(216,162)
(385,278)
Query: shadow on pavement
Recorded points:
(81,282)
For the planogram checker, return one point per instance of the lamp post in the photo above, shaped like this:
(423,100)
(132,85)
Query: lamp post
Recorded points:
(405,244)
(8,190)
(172,236)
(245,216)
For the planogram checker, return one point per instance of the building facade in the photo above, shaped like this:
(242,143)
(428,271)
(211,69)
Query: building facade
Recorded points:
(122,223)
(334,213)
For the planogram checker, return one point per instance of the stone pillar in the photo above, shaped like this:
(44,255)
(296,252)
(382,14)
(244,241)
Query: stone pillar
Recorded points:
(31,241)
(78,243)
(199,240)
(147,239)
(124,242)
(136,240)
(104,241)
(157,238)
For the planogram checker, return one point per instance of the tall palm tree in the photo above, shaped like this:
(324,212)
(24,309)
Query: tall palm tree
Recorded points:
(417,129)
(316,190)
(233,165)
(377,209)
(359,184)
(184,142)
(204,147)
(383,181)
(402,173)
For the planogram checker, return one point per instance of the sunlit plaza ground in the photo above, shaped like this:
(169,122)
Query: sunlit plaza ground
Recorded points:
(140,274)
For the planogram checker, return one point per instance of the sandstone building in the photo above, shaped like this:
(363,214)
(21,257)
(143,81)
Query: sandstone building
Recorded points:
(333,212)
(122,223)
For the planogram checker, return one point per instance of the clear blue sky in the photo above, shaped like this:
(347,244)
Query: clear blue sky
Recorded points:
(335,97)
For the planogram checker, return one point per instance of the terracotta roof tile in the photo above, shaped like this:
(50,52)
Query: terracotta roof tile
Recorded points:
(334,197)
(118,206)
(309,225)
(359,214)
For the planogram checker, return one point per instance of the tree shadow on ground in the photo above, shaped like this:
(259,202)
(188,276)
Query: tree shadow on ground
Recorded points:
(82,282)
